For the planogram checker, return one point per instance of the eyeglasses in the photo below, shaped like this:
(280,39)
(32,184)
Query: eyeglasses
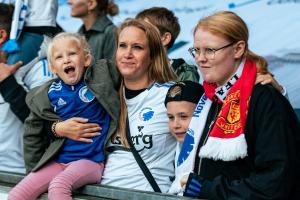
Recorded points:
(209,53)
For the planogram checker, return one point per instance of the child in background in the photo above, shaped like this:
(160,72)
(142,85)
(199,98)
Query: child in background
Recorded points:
(76,163)
(169,28)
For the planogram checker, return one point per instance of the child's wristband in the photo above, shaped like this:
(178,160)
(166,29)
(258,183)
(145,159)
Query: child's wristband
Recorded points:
(53,129)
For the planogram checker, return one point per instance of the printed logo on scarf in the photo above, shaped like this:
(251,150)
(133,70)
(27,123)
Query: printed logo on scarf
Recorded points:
(234,113)
(232,107)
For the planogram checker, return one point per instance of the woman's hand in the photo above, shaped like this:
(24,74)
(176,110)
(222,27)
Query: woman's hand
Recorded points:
(78,129)
(266,79)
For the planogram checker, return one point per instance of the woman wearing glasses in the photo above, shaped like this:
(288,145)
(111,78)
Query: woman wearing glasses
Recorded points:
(246,146)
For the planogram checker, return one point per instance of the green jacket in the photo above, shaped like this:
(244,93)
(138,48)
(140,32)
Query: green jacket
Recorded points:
(101,37)
(185,71)
(103,81)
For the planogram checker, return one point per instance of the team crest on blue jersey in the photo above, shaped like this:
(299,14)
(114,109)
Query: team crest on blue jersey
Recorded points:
(187,147)
(146,114)
(86,95)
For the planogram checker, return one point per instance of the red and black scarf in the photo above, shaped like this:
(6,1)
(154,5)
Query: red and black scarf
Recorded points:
(226,140)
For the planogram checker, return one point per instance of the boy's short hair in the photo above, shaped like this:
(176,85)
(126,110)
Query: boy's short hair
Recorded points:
(6,15)
(164,19)
(189,91)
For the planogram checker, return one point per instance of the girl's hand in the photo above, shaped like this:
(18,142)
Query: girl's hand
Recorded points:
(78,129)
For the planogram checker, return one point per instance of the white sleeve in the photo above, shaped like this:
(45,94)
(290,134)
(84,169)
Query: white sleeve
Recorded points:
(38,75)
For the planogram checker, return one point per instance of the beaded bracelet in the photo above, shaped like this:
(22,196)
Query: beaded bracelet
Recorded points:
(53,129)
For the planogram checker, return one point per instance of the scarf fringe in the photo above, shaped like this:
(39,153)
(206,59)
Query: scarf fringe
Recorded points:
(229,149)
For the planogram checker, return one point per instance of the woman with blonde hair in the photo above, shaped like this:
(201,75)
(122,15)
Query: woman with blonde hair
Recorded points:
(143,65)
(246,146)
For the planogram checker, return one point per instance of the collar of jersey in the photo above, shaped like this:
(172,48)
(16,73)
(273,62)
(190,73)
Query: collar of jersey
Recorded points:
(72,87)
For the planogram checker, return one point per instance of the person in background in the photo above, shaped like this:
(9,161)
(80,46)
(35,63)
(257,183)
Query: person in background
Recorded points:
(12,98)
(11,154)
(59,170)
(248,147)
(98,29)
(29,26)
(169,28)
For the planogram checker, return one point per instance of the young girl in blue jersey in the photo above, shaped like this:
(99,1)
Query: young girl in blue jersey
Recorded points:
(76,95)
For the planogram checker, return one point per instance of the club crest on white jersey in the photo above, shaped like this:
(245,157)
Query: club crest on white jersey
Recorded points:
(146,114)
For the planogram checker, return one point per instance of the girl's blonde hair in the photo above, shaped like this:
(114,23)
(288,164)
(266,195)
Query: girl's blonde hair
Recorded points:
(230,26)
(79,39)
(158,70)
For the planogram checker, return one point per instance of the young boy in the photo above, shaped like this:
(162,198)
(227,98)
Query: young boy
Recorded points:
(181,101)
(169,28)
(76,93)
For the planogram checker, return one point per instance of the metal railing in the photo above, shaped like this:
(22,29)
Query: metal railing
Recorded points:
(96,192)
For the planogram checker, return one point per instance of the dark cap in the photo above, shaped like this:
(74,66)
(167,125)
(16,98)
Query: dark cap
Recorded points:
(184,91)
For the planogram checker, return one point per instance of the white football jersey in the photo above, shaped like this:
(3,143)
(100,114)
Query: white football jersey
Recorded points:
(152,139)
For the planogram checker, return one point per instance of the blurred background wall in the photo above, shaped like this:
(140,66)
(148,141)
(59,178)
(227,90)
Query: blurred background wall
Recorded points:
(274,30)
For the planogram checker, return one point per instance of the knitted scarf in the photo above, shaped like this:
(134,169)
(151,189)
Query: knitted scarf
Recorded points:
(226,140)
